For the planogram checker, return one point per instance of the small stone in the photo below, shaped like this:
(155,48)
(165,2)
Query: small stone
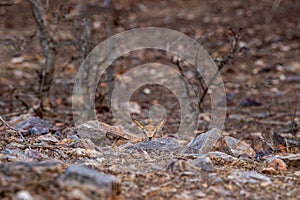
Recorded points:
(220,191)
(73,137)
(17,60)
(199,194)
(85,143)
(204,163)
(124,146)
(297,173)
(221,155)
(13,154)
(246,102)
(23,195)
(248,177)
(33,131)
(291,160)
(48,138)
(34,125)
(269,171)
(58,134)
(238,147)
(277,164)
(213,178)
(15,145)
(92,153)
(33,155)
(186,195)
(94,131)
(204,142)
(76,194)
(69,131)
(265,184)
(147,91)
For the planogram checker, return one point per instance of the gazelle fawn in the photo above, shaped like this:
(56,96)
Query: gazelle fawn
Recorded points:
(150,129)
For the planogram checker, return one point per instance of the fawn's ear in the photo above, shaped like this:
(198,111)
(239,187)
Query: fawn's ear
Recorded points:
(139,124)
(160,125)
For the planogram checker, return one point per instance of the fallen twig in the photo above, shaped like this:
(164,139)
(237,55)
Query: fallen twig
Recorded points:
(12,128)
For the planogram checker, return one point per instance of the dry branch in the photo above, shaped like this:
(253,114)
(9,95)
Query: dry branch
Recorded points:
(47,48)
(227,60)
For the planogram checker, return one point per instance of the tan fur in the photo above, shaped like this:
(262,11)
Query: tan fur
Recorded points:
(149,129)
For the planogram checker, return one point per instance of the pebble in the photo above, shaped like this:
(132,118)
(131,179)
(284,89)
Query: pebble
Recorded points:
(48,138)
(204,163)
(252,177)
(277,164)
(23,195)
(238,147)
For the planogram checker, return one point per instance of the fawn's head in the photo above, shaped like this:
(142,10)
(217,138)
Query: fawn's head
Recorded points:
(149,129)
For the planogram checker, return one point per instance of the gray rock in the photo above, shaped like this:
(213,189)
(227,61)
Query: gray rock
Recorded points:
(204,163)
(159,144)
(249,177)
(237,147)
(35,126)
(15,145)
(204,142)
(48,138)
(21,175)
(85,143)
(220,191)
(213,178)
(13,154)
(34,155)
(95,131)
(89,182)
(221,155)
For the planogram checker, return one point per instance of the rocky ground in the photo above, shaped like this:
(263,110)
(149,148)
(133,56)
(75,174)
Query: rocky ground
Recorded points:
(62,165)
(256,155)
